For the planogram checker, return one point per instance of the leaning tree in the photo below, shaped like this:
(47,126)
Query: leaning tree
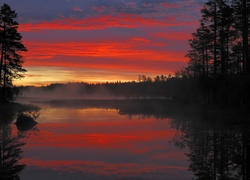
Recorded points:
(11,47)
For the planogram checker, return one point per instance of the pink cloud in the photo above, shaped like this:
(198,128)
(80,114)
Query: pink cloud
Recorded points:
(77,9)
(131,4)
(146,4)
(171,5)
(100,9)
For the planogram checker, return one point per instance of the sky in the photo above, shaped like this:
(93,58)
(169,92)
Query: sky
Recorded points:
(103,40)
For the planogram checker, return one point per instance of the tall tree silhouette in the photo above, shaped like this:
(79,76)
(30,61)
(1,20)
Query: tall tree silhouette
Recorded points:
(200,54)
(224,32)
(210,18)
(11,48)
(241,25)
(219,51)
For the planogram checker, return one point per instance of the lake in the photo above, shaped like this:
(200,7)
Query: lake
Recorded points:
(84,140)
(96,143)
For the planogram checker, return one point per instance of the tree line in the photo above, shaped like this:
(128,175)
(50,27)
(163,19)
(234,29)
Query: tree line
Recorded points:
(145,87)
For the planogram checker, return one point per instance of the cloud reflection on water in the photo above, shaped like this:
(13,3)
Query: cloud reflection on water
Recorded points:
(100,143)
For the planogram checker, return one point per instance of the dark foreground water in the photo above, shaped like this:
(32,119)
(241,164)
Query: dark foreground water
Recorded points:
(76,142)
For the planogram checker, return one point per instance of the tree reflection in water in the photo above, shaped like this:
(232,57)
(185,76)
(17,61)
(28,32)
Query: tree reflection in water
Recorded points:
(219,146)
(218,141)
(11,143)
(10,151)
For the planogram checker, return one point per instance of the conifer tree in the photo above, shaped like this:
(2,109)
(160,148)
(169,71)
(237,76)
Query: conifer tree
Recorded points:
(10,52)
(210,19)
(242,27)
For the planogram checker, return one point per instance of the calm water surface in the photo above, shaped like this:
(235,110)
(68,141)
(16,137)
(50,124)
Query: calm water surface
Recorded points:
(123,139)
(96,143)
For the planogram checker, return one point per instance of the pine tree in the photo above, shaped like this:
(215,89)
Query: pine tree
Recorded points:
(200,54)
(241,25)
(11,48)
(210,19)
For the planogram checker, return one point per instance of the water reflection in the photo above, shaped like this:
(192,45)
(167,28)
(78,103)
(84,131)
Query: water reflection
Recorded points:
(88,142)
(96,140)
(219,144)
(10,151)
(159,108)
(11,142)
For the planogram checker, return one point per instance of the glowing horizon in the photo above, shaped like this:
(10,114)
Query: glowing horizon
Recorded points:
(104,41)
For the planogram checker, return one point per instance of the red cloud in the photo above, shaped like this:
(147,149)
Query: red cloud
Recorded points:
(131,49)
(102,22)
(174,35)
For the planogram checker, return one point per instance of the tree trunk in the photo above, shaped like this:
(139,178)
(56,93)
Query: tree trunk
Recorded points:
(1,65)
(245,38)
(203,59)
(215,39)
(207,73)
(4,79)
(2,95)
(222,50)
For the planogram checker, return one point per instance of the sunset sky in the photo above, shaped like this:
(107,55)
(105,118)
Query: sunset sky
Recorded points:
(103,40)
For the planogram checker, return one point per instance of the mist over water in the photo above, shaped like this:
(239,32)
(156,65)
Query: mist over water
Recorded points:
(71,91)
(129,131)
(132,138)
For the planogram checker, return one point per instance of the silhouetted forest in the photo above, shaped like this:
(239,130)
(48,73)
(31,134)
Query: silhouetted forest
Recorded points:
(160,87)
(219,53)
(222,91)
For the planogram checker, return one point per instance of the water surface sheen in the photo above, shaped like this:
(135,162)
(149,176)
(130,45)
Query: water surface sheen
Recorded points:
(99,143)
